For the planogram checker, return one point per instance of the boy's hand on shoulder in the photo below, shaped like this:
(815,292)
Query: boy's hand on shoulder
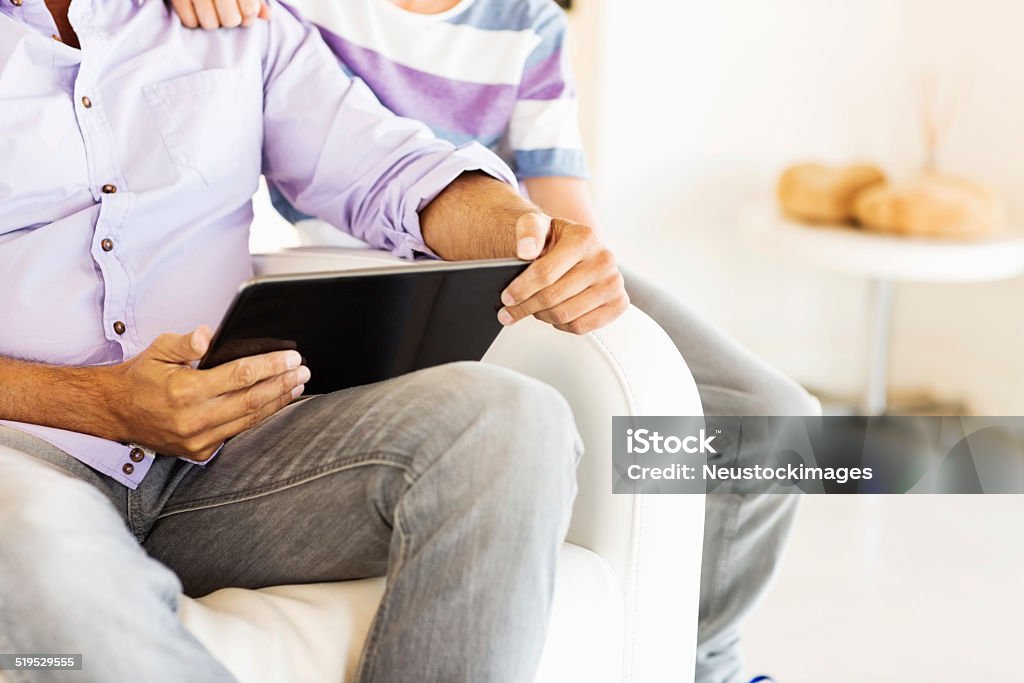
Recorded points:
(212,14)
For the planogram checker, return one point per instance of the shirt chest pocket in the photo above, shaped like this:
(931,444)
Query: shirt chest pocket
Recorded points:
(210,122)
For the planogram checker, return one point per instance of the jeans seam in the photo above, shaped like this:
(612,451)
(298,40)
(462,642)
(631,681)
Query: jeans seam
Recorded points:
(133,514)
(377,458)
(373,638)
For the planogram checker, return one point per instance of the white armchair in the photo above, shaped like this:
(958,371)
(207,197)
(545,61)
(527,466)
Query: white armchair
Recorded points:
(629,574)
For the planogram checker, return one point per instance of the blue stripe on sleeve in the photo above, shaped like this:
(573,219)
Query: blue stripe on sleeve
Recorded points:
(539,163)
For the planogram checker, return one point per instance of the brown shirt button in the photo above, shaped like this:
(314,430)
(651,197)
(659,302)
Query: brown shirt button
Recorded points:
(16,3)
(128,468)
(119,327)
(86,102)
(108,189)
(107,245)
(137,455)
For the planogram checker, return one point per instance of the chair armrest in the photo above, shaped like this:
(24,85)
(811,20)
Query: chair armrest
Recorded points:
(653,542)
(320,259)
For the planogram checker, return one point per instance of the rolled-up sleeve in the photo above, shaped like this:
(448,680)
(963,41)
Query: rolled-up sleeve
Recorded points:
(338,154)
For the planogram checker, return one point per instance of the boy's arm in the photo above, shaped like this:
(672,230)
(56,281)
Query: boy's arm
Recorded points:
(563,196)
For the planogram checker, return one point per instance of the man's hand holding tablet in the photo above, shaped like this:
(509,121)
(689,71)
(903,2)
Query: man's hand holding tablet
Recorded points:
(178,410)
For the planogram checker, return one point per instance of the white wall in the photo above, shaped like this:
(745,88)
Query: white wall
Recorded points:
(699,105)
(973,336)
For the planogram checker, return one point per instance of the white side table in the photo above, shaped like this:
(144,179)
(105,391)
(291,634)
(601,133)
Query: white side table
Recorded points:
(884,261)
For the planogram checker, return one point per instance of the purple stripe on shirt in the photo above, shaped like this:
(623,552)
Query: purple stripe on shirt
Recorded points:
(545,80)
(475,109)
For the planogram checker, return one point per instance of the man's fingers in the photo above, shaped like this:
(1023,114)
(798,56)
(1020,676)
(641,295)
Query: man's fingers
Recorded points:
(597,318)
(202,447)
(274,402)
(531,235)
(182,348)
(577,280)
(246,372)
(228,13)
(238,404)
(186,14)
(245,404)
(275,405)
(543,272)
(578,306)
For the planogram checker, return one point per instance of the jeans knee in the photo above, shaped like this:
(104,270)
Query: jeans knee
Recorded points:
(763,391)
(527,424)
(786,397)
(508,400)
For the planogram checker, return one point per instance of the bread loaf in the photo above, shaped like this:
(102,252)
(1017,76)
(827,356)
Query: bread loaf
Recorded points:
(931,205)
(819,194)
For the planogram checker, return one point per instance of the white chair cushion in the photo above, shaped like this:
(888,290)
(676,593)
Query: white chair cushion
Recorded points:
(314,633)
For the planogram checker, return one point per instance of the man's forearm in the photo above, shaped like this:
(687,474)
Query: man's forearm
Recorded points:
(474,218)
(55,396)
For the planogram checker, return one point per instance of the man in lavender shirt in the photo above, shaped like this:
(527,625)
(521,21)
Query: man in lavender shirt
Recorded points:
(128,477)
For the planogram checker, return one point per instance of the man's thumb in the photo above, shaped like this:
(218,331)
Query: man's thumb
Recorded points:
(183,348)
(531,235)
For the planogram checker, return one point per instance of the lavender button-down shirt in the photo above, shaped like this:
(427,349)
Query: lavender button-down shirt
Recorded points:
(127,170)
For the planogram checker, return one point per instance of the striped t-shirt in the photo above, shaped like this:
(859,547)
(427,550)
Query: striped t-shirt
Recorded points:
(493,71)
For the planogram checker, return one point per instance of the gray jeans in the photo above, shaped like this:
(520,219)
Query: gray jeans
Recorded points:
(744,534)
(455,482)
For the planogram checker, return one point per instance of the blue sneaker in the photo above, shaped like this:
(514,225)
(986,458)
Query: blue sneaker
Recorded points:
(762,679)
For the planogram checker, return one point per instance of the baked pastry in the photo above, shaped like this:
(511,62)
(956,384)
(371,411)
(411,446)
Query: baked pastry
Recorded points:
(819,194)
(931,205)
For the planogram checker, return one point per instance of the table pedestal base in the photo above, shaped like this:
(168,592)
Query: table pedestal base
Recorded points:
(879,329)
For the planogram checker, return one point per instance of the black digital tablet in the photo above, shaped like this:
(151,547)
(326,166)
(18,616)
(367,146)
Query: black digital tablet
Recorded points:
(362,326)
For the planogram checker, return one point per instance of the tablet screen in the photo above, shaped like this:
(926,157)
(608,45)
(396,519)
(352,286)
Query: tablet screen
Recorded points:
(360,327)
